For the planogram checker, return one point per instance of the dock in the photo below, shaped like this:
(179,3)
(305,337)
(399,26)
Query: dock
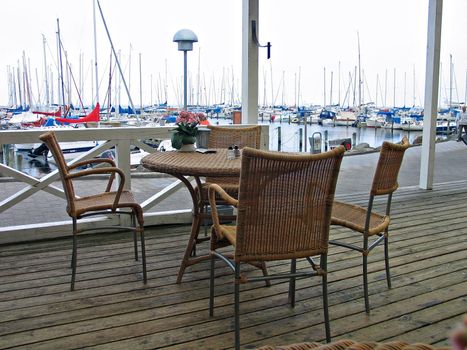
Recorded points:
(111,308)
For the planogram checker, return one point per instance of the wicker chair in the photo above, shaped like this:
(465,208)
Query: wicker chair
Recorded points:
(365,220)
(347,344)
(223,137)
(284,212)
(105,203)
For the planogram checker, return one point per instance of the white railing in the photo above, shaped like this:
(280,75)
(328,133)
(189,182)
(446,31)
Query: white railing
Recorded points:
(120,138)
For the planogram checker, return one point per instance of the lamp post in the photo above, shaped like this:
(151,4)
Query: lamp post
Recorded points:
(185,39)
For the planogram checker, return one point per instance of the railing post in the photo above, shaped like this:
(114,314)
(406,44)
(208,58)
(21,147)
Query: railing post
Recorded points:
(300,140)
(122,153)
(279,138)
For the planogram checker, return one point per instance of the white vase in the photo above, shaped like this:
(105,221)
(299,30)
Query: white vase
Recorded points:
(187,147)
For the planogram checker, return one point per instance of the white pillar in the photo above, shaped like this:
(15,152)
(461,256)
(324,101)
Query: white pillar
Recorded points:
(250,10)
(435,11)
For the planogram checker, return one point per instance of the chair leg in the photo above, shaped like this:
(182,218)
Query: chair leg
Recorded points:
(386,258)
(143,254)
(237,306)
(211,287)
(135,238)
(365,283)
(323,264)
(73,262)
(293,269)
(264,268)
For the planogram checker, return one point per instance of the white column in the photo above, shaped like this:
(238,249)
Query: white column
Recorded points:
(435,11)
(250,10)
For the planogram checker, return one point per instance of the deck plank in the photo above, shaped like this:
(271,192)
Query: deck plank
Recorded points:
(112,309)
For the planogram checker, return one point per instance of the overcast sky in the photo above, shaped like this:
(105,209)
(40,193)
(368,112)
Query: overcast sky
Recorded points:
(308,37)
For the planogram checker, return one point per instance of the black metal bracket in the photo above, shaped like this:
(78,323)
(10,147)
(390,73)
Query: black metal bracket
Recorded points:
(255,38)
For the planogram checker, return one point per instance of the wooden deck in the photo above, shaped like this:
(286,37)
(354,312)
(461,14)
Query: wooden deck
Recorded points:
(112,309)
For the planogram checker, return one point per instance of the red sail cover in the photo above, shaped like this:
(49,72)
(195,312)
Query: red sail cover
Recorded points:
(52,114)
(91,117)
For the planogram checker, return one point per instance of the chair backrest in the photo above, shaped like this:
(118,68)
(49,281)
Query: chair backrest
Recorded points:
(387,170)
(285,204)
(223,137)
(50,139)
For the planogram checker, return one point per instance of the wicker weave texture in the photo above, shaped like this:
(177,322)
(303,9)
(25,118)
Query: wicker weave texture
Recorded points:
(223,137)
(387,170)
(384,182)
(285,203)
(192,163)
(50,139)
(347,344)
(107,200)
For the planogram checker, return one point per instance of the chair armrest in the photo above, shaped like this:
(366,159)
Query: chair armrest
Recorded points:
(92,161)
(212,190)
(106,170)
(222,194)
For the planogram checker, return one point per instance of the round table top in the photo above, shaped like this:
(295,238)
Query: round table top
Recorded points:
(193,163)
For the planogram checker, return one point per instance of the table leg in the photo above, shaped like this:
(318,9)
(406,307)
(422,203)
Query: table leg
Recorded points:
(198,216)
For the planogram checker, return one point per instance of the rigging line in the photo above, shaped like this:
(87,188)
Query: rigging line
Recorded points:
(278,90)
(110,86)
(51,55)
(116,59)
(71,74)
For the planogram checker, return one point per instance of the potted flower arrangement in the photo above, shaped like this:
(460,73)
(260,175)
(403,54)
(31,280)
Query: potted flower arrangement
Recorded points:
(184,135)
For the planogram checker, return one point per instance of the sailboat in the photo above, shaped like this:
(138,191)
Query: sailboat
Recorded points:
(92,117)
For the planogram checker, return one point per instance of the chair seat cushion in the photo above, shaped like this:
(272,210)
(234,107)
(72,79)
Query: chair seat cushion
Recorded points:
(354,216)
(104,201)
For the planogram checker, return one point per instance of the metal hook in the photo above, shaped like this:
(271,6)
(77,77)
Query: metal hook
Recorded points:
(255,39)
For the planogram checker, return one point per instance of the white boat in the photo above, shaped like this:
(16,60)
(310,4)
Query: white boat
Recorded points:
(345,118)
(375,121)
(412,125)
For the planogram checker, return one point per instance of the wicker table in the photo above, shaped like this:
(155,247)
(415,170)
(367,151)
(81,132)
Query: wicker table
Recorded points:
(181,164)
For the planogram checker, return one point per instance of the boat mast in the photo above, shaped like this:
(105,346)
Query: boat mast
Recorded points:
(166,83)
(61,83)
(405,86)
(95,50)
(414,98)
(116,59)
(359,73)
(385,87)
(272,86)
(355,87)
(109,95)
(51,87)
(450,83)
(339,85)
(47,100)
(21,100)
(198,88)
(140,88)
(324,87)
(330,95)
(298,85)
(377,84)
(394,87)
(38,88)
(295,88)
(283,88)
(129,71)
